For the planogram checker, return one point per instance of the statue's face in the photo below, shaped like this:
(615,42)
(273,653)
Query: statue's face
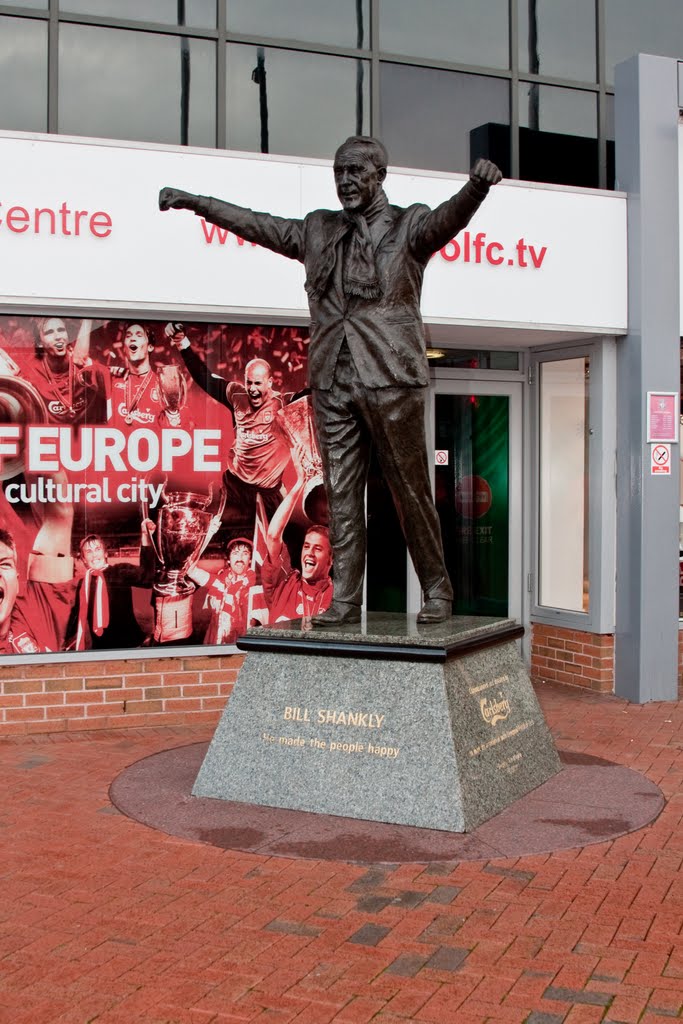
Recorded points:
(357,179)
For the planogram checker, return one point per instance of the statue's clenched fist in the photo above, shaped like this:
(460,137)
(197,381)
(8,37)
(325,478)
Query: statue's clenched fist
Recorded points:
(175,199)
(485,172)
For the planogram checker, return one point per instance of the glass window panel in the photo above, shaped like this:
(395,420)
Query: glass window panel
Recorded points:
(558,135)
(609,109)
(387,554)
(453,30)
(472,359)
(550,108)
(131,85)
(35,5)
(557,38)
(23,75)
(632,26)
(680,511)
(340,22)
(303,104)
(427,116)
(472,492)
(195,13)
(563,484)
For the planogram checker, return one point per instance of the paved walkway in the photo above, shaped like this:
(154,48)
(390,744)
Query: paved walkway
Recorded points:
(104,920)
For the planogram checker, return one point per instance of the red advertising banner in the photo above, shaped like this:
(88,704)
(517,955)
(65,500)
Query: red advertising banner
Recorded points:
(161,483)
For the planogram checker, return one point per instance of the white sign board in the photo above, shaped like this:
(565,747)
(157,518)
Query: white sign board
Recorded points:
(80,227)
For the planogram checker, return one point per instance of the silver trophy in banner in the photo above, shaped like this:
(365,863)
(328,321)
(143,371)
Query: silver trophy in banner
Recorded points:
(173,391)
(20,404)
(184,528)
(297,419)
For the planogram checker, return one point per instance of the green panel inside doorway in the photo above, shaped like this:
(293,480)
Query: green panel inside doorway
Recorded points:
(472,434)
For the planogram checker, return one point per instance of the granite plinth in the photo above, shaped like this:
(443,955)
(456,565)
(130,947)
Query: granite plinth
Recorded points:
(383,635)
(441,743)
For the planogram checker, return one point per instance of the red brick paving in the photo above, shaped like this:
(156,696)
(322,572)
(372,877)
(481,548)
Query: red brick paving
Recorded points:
(103,921)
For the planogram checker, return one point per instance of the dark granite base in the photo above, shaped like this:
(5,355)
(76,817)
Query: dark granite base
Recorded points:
(441,743)
(390,637)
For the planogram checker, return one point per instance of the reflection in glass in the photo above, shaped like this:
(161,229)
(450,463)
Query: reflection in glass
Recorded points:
(610,116)
(472,359)
(36,5)
(563,484)
(340,22)
(557,39)
(134,85)
(550,108)
(455,30)
(558,135)
(609,119)
(23,75)
(304,104)
(195,13)
(387,553)
(632,26)
(472,494)
(427,116)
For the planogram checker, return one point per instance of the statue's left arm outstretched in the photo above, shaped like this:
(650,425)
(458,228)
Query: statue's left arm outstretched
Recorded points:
(280,234)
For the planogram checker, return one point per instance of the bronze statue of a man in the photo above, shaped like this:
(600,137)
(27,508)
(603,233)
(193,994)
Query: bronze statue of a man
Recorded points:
(367,365)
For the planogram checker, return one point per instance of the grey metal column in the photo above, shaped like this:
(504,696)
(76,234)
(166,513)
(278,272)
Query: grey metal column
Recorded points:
(646,135)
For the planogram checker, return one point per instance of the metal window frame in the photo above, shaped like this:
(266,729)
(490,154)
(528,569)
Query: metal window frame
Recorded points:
(222,35)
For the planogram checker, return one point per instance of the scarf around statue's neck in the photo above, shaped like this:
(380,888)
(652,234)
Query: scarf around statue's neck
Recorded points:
(359,272)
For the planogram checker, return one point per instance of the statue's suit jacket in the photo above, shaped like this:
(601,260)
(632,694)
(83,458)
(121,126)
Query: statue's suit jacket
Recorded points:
(385,335)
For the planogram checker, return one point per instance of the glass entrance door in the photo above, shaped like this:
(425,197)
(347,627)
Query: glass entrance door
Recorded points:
(478,488)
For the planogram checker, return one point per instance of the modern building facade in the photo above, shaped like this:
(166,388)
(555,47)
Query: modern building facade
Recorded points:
(551,323)
(292,78)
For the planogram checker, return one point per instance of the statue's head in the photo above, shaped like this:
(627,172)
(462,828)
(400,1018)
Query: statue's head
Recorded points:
(360,167)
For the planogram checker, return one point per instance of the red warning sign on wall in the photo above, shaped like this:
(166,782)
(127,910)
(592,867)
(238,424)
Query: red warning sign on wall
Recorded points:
(660,460)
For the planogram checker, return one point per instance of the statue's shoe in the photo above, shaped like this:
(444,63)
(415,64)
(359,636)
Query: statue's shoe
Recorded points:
(435,609)
(338,614)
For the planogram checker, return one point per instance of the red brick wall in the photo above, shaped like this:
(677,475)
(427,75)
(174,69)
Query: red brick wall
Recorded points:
(571,656)
(73,695)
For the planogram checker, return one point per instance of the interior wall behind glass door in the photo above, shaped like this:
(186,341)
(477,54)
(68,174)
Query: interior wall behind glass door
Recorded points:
(472,486)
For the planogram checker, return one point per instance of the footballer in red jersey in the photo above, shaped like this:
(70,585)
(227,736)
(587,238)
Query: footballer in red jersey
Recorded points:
(262,449)
(72,386)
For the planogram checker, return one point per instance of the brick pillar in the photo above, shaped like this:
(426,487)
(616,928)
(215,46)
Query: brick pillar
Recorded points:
(571,656)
